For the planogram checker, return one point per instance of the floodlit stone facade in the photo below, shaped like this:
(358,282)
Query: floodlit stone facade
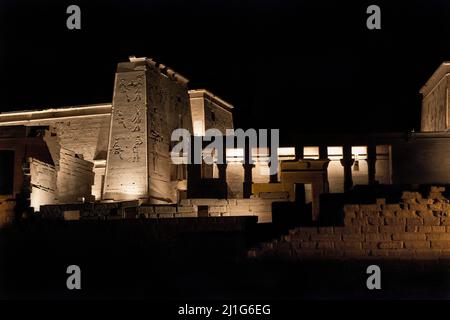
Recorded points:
(119,152)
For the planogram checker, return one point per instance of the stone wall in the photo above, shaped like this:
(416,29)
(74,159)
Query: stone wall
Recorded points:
(43,184)
(416,228)
(435,100)
(260,208)
(209,112)
(434,106)
(83,129)
(150,102)
(75,177)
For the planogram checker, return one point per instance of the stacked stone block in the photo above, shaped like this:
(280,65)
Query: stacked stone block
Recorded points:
(416,228)
(262,208)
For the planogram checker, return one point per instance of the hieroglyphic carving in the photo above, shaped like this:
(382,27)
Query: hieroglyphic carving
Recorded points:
(126,165)
(117,148)
(120,118)
(147,106)
(136,119)
(136,146)
(132,89)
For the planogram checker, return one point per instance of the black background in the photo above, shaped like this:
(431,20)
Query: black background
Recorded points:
(301,66)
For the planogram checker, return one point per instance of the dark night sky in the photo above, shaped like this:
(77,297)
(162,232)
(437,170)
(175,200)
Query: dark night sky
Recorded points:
(302,66)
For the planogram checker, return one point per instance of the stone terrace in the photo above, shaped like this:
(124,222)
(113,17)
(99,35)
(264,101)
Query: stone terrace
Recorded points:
(416,228)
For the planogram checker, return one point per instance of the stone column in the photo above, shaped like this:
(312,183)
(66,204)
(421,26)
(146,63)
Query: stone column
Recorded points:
(248,174)
(273,178)
(194,171)
(347,162)
(299,152)
(371,162)
(323,152)
(223,170)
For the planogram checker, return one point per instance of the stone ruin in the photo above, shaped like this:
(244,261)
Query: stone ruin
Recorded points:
(416,228)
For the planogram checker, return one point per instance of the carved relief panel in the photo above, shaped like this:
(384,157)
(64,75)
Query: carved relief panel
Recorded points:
(126,172)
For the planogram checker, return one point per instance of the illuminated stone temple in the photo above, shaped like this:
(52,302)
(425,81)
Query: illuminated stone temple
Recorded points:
(113,160)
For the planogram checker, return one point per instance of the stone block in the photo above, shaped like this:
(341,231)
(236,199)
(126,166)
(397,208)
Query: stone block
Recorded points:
(431,229)
(308,244)
(301,236)
(350,215)
(425,201)
(370,229)
(378,237)
(165,209)
(437,189)
(353,237)
(418,207)
(379,252)
(445,254)
(347,230)
(393,207)
(412,228)
(217,209)
(440,244)
(427,253)
(325,245)
(325,237)
(445,221)
(406,214)
(348,221)
(396,221)
(375,221)
(369,208)
(434,221)
(166,215)
(209,202)
(351,208)
(370,245)
(145,210)
(414,221)
(215,214)
(71,215)
(187,209)
(409,236)
(359,221)
(326,230)
(274,195)
(348,245)
(392,229)
(390,245)
(185,202)
(425,214)
(408,195)
(436,206)
(387,214)
(263,217)
(420,244)
(310,230)
(372,214)
(438,236)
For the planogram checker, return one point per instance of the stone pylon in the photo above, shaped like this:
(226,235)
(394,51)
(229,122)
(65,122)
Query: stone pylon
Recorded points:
(149,102)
